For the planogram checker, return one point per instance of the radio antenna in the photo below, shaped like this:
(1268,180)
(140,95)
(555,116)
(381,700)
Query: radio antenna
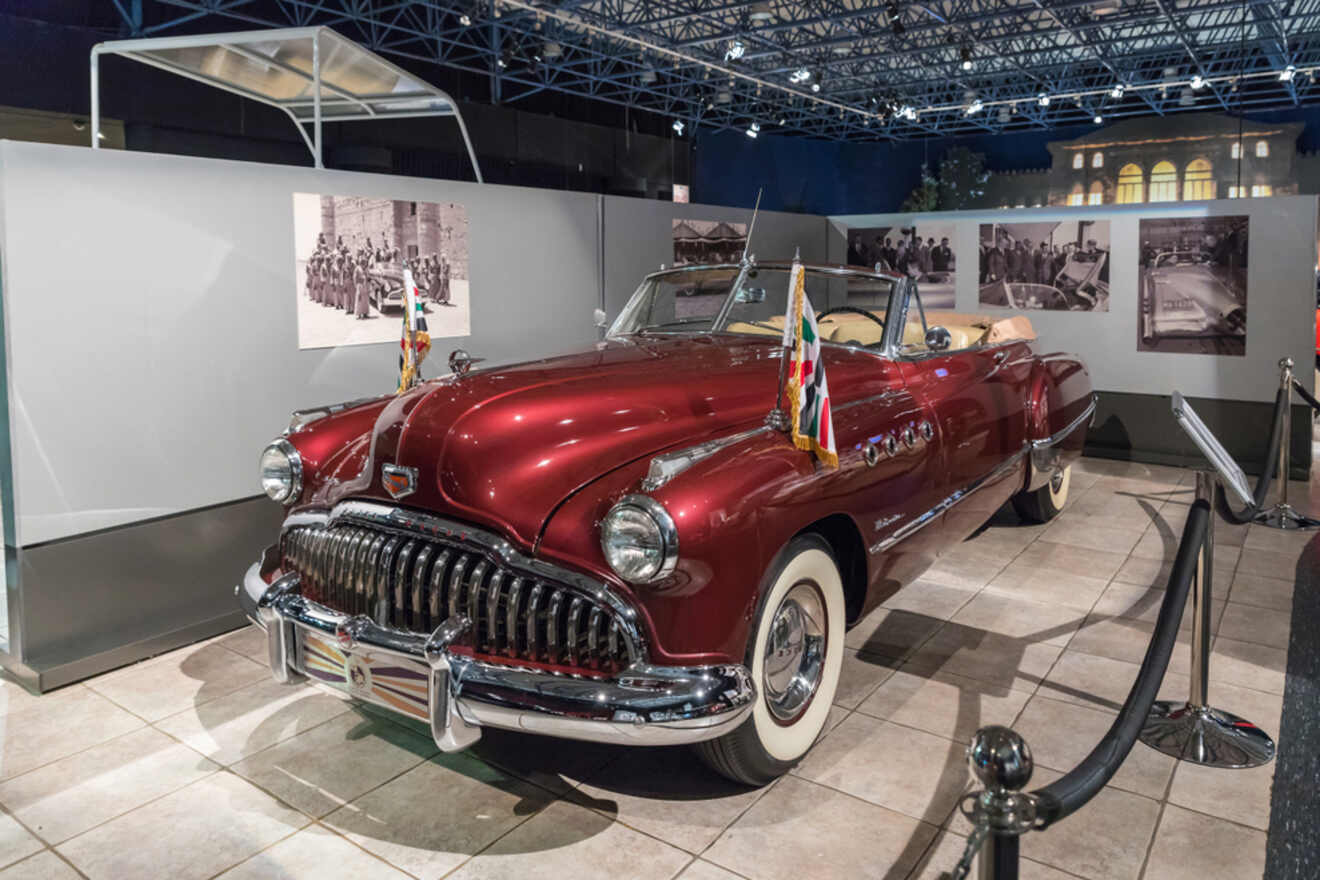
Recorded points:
(752,227)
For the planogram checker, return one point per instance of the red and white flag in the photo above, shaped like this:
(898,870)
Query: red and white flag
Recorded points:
(807,390)
(416,341)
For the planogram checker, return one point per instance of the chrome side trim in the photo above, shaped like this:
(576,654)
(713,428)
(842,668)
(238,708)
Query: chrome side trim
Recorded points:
(666,466)
(1059,436)
(1044,453)
(411,523)
(915,525)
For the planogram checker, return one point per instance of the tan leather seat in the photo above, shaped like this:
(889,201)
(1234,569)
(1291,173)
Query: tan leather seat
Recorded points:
(775,327)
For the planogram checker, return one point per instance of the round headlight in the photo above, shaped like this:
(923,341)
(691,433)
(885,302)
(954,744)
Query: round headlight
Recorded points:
(281,472)
(639,539)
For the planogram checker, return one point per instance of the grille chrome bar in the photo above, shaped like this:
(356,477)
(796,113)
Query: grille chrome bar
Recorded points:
(415,582)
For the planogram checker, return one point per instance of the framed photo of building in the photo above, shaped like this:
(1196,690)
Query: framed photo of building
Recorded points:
(1193,285)
(708,241)
(1053,264)
(923,251)
(349,257)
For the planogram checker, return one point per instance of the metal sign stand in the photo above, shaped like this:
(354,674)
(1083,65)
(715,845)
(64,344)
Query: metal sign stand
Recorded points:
(1194,731)
(1282,515)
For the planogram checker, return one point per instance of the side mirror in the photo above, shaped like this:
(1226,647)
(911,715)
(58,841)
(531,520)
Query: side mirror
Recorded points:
(751,295)
(938,339)
(598,316)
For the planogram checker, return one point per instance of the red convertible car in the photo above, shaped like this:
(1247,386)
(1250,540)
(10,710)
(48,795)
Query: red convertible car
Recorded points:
(616,546)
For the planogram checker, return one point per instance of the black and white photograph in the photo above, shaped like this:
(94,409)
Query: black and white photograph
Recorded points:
(1053,264)
(350,253)
(1193,285)
(924,251)
(698,242)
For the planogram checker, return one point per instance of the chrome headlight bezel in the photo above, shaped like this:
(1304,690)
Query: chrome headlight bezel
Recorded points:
(293,489)
(666,538)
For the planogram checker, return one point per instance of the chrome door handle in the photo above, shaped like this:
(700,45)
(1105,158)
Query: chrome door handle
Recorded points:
(1001,356)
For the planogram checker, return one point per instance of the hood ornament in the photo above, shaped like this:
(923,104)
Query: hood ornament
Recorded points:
(398,480)
(460,362)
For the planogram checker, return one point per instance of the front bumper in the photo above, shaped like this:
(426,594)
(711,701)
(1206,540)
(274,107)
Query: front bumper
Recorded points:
(645,705)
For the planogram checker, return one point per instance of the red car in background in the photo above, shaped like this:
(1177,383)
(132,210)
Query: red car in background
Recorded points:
(613,545)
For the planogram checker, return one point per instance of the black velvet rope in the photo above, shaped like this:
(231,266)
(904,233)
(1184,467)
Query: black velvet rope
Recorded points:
(1246,515)
(1305,395)
(1061,798)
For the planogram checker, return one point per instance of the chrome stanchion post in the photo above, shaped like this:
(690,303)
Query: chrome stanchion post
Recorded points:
(1194,731)
(1000,759)
(1282,515)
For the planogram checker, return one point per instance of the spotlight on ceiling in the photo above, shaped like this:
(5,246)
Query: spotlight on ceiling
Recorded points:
(552,50)
(965,53)
(908,112)
(736,50)
(465,20)
(723,96)
(815,87)
(1005,114)
(975,107)
(754,129)
(1098,119)
(1043,99)
(760,12)
(1117,91)
(783,121)
(648,76)
(1187,98)
(799,76)
(1198,82)
(677,126)
(1288,73)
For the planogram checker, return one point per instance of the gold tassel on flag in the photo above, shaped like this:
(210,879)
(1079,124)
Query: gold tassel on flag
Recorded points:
(812,427)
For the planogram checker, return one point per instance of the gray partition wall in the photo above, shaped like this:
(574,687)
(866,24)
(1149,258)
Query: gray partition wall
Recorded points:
(1234,394)
(152,351)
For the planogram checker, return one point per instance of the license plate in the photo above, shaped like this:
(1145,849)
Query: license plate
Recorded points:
(384,679)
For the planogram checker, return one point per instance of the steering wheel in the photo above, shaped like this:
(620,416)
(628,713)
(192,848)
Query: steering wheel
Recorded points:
(855,309)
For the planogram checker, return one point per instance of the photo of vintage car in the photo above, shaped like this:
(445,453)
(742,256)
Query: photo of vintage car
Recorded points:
(1194,285)
(620,545)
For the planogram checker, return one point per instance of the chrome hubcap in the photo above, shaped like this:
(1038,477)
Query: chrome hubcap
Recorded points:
(795,652)
(1056,482)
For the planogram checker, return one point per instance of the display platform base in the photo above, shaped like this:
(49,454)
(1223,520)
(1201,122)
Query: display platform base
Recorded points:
(1283,516)
(1202,735)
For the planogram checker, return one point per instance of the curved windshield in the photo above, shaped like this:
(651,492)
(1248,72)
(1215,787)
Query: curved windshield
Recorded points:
(725,299)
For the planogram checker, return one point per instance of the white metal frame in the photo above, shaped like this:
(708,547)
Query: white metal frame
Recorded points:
(345,106)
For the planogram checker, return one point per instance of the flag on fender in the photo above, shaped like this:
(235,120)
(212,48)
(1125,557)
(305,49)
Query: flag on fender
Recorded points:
(416,341)
(812,427)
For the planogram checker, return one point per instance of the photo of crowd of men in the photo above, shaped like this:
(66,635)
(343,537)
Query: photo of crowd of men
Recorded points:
(923,251)
(705,242)
(1193,285)
(350,254)
(1054,265)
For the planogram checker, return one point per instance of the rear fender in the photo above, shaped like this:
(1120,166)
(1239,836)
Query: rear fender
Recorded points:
(1058,410)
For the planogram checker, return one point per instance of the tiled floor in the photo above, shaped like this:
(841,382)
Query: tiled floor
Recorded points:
(195,764)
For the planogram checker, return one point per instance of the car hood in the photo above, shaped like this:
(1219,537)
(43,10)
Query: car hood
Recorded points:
(505,447)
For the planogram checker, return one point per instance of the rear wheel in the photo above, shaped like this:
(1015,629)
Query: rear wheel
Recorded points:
(1045,503)
(795,658)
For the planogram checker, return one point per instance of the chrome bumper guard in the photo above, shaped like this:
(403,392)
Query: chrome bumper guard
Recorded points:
(644,705)
(1045,453)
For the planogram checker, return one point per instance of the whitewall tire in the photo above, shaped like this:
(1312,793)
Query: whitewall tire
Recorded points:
(795,654)
(1046,502)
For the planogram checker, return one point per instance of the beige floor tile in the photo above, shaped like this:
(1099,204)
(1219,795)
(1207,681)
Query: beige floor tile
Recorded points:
(1032,622)
(308,770)
(918,774)
(1287,542)
(1142,572)
(178,680)
(861,674)
(1193,846)
(179,837)
(670,794)
(929,599)
(1024,580)
(68,722)
(1006,538)
(1101,682)
(947,705)
(801,830)
(1132,602)
(1126,639)
(1082,532)
(1261,709)
(891,633)
(1241,796)
(559,765)
(250,641)
(566,840)
(1073,560)
(43,866)
(939,860)
(1263,626)
(700,870)
(1259,667)
(76,793)
(1118,509)
(1262,592)
(1108,842)
(1062,734)
(14,698)
(1264,563)
(16,842)
(313,852)
(470,805)
(989,657)
(254,718)
(967,568)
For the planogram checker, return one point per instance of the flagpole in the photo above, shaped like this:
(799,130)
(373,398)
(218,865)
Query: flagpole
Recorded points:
(777,419)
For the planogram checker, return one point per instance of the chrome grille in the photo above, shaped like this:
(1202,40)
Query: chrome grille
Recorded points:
(415,583)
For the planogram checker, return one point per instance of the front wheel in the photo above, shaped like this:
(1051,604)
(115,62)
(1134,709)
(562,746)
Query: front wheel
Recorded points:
(795,657)
(1045,503)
